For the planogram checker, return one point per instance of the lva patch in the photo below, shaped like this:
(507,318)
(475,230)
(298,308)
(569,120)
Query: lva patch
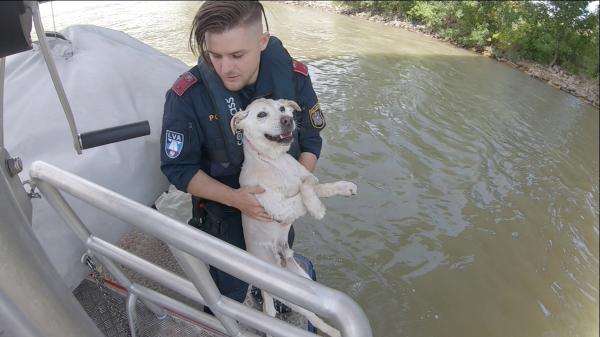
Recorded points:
(173,144)
(316,116)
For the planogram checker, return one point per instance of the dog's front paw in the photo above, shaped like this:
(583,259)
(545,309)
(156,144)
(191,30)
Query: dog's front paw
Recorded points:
(346,188)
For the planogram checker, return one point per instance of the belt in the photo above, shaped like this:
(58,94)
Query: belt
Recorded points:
(216,207)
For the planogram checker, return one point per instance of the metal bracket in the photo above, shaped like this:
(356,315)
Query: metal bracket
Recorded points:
(14,166)
(31,193)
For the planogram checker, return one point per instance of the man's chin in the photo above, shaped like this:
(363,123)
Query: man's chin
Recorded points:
(233,86)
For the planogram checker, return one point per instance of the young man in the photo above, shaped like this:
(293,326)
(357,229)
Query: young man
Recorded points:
(199,154)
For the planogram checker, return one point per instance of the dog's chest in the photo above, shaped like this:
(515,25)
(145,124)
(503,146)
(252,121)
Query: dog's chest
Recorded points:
(281,176)
(284,178)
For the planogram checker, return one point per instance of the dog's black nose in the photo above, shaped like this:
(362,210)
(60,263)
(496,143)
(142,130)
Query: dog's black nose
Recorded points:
(286,120)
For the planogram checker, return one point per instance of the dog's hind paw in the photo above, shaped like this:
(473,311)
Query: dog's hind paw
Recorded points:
(318,213)
(310,180)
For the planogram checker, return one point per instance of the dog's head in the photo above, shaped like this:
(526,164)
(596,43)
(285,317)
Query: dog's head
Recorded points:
(268,124)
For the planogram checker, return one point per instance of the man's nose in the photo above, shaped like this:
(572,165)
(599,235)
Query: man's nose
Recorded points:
(226,65)
(286,120)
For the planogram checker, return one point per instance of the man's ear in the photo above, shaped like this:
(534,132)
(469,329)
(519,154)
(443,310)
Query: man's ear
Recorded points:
(236,121)
(264,40)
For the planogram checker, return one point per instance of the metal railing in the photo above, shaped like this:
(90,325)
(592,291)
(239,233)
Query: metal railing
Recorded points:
(192,248)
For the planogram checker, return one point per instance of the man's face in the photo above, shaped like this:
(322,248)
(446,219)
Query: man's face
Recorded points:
(235,54)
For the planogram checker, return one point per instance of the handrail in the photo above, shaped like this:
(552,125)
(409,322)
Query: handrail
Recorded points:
(172,281)
(328,303)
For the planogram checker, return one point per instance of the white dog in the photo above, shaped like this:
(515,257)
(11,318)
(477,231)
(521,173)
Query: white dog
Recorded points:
(290,190)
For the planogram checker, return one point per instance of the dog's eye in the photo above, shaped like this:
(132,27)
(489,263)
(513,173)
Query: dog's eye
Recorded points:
(282,108)
(261,114)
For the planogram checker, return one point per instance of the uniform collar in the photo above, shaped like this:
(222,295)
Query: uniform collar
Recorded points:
(247,92)
(275,68)
(264,83)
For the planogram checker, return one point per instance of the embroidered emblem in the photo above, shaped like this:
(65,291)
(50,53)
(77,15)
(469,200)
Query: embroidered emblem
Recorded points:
(173,144)
(300,68)
(316,116)
(183,83)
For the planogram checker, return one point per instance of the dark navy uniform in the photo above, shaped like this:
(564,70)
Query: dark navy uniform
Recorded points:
(196,136)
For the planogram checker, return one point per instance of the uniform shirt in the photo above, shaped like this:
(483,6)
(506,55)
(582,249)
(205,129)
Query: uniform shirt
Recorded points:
(192,117)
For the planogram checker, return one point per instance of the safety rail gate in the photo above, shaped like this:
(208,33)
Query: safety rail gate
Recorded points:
(192,249)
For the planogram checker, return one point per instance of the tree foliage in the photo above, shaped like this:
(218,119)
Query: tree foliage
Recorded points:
(561,33)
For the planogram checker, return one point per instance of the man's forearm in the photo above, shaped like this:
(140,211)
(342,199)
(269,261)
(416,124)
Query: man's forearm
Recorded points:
(308,160)
(204,186)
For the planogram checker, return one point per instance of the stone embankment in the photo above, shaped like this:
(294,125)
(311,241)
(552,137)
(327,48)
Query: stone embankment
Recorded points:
(579,86)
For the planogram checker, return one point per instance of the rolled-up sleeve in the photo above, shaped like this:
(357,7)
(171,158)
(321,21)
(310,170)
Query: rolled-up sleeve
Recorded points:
(181,141)
(313,120)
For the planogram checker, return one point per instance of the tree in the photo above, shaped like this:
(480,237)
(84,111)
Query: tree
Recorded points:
(565,18)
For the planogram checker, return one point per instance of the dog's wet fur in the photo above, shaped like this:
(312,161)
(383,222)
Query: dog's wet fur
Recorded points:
(290,189)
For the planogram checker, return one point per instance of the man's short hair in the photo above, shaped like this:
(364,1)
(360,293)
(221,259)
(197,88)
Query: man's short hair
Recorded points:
(220,16)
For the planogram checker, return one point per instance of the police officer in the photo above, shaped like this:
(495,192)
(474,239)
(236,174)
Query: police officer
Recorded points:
(200,155)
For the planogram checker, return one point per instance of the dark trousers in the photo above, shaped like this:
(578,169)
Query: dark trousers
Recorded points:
(226,224)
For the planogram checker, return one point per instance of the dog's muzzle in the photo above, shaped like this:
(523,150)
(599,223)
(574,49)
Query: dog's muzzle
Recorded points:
(287,127)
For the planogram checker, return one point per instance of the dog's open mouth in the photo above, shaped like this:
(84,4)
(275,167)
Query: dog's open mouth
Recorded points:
(285,138)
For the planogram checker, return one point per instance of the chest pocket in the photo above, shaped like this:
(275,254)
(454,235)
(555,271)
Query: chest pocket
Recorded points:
(215,152)
(219,161)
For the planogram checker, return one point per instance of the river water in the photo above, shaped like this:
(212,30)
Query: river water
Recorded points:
(477,211)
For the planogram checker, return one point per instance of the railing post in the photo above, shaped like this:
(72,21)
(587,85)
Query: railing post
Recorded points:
(63,209)
(115,271)
(76,225)
(200,276)
(132,314)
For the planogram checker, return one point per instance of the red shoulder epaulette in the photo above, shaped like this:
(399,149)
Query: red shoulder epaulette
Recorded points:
(300,68)
(183,83)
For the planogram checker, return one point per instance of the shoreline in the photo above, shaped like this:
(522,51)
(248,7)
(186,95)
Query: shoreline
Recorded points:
(581,87)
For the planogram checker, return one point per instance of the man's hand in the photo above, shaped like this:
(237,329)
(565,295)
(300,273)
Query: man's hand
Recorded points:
(242,198)
(245,200)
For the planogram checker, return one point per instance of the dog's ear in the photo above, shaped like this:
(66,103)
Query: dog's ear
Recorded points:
(236,119)
(291,104)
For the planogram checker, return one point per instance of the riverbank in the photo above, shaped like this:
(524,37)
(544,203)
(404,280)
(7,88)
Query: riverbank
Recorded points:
(584,88)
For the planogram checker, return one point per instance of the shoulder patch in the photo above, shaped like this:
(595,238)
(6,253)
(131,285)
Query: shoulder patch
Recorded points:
(316,116)
(183,83)
(173,143)
(300,68)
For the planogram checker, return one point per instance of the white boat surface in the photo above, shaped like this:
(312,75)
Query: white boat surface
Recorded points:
(110,79)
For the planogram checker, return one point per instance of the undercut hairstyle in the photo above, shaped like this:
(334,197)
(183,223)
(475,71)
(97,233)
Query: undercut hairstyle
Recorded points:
(220,16)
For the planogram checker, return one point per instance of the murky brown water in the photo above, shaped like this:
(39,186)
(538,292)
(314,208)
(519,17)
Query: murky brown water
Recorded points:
(477,212)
